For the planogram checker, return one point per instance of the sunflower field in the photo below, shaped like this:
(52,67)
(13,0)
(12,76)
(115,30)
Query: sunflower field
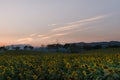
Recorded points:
(96,66)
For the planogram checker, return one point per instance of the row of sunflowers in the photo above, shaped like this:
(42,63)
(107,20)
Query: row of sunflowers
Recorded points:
(60,66)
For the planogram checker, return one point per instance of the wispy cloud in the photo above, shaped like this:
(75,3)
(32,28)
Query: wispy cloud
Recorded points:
(53,35)
(76,24)
(61,34)
(62,31)
(45,37)
(64,28)
(25,39)
(40,35)
(89,19)
(52,24)
(34,34)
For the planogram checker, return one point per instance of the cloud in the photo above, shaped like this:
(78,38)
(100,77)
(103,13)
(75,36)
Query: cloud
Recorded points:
(62,31)
(64,28)
(60,34)
(25,40)
(46,37)
(32,35)
(52,24)
(40,35)
(53,35)
(88,20)
(76,24)
(57,32)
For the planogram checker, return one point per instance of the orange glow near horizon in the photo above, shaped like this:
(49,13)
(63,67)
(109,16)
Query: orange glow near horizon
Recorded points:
(50,41)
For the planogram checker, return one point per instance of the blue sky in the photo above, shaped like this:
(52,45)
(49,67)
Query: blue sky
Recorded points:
(39,22)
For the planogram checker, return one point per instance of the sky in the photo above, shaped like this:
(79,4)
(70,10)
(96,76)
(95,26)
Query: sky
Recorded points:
(42,22)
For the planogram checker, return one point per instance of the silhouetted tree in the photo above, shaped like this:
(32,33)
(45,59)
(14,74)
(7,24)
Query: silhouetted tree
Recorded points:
(25,47)
(113,46)
(30,47)
(97,47)
(55,46)
(3,48)
(17,48)
(87,47)
(66,46)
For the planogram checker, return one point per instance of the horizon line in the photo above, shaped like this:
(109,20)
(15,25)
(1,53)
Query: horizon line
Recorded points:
(62,43)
